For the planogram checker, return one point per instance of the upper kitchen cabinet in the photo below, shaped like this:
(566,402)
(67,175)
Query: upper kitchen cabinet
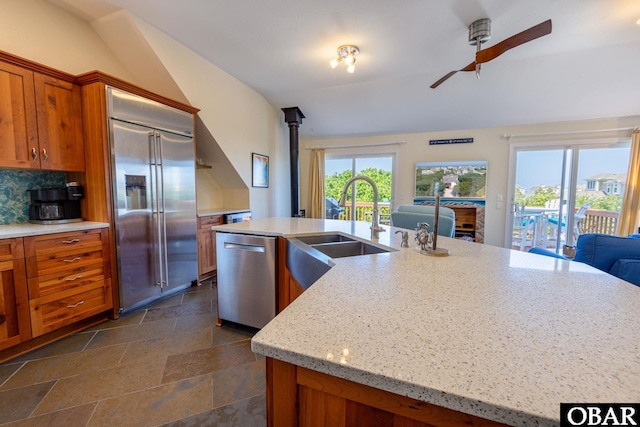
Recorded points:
(18,126)
(40,117)
(59,115)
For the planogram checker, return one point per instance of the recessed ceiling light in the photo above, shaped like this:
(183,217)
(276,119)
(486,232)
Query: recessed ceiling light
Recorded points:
(638,22)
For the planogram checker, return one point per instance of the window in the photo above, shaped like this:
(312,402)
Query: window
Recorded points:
(587,199)
(340,169)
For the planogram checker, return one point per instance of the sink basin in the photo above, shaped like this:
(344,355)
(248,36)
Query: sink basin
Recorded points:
(323,238)
(347,248)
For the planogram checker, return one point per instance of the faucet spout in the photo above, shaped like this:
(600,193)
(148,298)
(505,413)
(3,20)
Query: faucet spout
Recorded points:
(375,226)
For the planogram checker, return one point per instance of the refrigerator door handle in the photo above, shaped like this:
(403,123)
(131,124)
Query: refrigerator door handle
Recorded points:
(163,254)
(155,208)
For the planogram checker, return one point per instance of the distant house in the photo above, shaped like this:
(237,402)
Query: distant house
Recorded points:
(608,183)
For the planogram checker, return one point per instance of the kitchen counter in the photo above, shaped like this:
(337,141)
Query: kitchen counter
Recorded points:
(487,331)
(219,211)
(27,229)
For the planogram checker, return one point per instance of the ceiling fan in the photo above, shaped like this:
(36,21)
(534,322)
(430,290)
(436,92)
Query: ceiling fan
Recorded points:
(480,32)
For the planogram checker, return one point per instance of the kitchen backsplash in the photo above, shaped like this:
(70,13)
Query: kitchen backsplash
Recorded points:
(14,197)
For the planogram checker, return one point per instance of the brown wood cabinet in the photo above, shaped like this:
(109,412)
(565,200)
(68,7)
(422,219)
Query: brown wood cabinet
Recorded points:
(40,118)
(207,246)
(465,221)
(301,397)
(18,125)
(68,278)
(59,116)
(14,311)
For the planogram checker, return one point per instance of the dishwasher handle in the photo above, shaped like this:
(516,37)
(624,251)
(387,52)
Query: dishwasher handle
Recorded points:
(241,247)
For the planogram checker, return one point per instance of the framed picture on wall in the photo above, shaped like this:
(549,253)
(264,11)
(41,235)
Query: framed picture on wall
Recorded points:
(259,170)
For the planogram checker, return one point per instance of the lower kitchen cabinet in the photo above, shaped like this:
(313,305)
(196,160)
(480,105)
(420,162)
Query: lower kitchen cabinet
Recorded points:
(14,311)
(288,287)
(207,246)
(68,278)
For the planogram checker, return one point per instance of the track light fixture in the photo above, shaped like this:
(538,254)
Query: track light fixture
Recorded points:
(346,53)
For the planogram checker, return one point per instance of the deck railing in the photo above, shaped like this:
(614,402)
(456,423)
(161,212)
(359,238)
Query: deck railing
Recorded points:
(595,221)
(599,221)
(364,211)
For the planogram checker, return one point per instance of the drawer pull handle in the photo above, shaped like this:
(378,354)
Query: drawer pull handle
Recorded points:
(72,260)
(70,242)
(76,304)
(71,279)
(34,154)
(45,156)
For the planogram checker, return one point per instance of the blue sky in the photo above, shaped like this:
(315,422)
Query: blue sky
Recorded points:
(338,165)
(545,167)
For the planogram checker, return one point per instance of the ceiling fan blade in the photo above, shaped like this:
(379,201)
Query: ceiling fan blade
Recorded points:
(537,31)
(470,67)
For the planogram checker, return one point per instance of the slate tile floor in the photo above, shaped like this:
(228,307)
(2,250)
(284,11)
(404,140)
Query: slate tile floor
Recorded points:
(163,365)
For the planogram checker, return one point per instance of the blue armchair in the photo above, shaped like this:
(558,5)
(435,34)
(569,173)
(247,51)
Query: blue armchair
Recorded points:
(619,256)
(408,216)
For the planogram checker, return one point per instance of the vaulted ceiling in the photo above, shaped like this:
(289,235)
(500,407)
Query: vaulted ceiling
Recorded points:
(588,67)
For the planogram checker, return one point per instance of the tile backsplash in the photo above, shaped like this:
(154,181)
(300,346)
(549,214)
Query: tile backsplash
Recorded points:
(14,195)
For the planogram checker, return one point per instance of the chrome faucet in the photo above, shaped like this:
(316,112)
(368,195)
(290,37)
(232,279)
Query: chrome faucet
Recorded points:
(375,227)
(405,238)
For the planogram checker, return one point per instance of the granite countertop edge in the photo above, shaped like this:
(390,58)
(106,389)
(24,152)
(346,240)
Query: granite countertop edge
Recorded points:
(201,213)
(11,231)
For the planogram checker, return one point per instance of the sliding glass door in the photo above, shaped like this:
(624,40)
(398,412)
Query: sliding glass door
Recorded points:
(340,169)
(562,192)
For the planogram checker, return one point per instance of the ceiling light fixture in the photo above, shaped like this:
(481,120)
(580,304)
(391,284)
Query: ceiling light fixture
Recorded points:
(346,53)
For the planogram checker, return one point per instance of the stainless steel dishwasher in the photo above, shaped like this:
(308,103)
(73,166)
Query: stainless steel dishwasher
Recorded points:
(246,278)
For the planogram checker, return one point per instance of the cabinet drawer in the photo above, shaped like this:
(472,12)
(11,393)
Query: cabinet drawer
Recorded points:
(64,262)
(53,243)
(66,307)
(67,279)
(207,221)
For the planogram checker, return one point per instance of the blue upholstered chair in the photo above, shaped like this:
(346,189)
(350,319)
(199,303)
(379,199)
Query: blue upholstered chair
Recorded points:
(619,256)
(408,216)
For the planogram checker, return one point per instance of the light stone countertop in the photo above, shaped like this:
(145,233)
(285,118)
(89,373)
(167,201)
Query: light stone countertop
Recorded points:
(496,333)
(218,211)
(27,229)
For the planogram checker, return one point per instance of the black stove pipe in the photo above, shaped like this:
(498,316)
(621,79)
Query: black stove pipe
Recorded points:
(293,117)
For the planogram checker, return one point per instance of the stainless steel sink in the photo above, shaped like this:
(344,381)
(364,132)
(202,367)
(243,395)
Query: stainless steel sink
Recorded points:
(309,257)
(323,238)
(347,249)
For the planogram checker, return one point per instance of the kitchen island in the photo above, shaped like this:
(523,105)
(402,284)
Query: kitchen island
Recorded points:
(487,332)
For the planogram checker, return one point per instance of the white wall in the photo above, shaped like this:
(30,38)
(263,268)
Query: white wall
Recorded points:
(239,118)
(41,32)
(489,144)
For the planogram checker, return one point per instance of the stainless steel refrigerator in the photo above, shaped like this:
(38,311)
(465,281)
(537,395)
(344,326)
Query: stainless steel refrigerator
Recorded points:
(153,168)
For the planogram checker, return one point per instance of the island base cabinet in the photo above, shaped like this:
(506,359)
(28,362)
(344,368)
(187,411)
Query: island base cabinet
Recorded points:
(299,397)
